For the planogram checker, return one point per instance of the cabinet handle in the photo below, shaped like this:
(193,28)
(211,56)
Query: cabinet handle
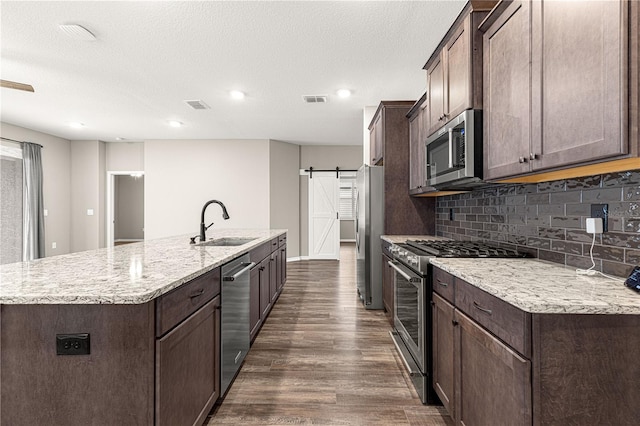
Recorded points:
(197,293)
(443,284)
(433,303)
(522,160)
(532,156)
(454,322)
(262,268)
(485,310)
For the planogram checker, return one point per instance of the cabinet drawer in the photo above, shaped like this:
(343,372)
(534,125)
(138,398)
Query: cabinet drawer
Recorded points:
(444,284)
(259,253)
(178,304)
(282,240)
(507,322)
(273,245)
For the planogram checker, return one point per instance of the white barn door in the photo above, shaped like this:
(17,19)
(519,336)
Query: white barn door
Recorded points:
(324,224)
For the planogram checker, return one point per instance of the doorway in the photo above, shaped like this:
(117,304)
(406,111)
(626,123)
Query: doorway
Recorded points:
(125,207)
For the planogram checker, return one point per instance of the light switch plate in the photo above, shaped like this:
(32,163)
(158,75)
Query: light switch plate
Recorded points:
(89,212)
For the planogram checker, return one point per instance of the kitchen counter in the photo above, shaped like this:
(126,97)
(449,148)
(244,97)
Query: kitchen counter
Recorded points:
(128,274)
(539,287)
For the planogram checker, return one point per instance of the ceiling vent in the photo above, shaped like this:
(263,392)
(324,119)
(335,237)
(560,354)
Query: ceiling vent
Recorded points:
(198,105)
(315,99)
(77,32)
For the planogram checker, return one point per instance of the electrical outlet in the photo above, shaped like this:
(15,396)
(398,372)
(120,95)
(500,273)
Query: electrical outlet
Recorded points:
(601,211)
(73,344)
(451,214)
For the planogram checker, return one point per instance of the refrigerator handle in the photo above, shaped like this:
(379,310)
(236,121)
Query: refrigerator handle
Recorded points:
(357,219)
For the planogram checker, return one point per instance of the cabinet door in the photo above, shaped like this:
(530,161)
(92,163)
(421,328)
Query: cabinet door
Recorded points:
(265,289)
(376,139)
(416,164)
(388,293)
(254,302)
(458,72)
(283,268)
(443,352)
(507,96)
(493,383)
(579,75)
(273,276)
(436,95)
(188,370)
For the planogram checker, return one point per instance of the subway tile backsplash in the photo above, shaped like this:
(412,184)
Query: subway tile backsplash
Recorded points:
(547,219)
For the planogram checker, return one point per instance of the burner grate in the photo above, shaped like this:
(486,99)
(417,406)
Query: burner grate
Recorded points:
(463,249)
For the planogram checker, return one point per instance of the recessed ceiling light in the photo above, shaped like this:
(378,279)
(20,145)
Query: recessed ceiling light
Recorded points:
(77,32)
(344,93)
(120,139)
(76,125)
(174,123)
(236,94)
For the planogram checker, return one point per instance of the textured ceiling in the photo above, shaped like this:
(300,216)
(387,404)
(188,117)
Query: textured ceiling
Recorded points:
(149,57)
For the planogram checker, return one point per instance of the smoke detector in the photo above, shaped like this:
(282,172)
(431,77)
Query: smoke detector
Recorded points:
(315,99)
(196,104)
(77,32)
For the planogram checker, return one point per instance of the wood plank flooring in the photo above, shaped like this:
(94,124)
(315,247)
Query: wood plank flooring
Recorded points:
(322,359)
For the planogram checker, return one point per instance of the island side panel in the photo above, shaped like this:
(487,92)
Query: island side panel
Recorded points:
(586,369)
(114,384)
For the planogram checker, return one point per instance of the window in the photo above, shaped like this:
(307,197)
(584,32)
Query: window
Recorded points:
(10,203)
(347,196)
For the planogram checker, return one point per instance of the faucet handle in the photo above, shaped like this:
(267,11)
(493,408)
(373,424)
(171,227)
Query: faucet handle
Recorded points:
(193,239)
(207,227)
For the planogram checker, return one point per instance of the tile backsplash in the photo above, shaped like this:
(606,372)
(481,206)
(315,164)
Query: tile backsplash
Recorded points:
(547,219)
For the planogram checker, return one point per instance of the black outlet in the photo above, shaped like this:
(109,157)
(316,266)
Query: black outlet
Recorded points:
(73,344)
(601,211)
(451,214)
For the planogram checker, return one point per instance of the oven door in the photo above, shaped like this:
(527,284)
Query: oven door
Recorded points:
(409,317)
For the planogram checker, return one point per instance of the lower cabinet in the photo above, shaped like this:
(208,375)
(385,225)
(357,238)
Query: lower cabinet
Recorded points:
(495,364)
(388,294)
(188,368)
(493,382)
(267,280)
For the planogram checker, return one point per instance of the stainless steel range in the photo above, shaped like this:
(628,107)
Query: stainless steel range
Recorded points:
(413,288)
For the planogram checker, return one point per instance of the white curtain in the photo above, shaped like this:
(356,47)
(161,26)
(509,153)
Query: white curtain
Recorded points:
(33,210)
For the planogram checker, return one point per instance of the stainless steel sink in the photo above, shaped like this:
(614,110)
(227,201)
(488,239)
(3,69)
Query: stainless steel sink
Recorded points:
(226,242)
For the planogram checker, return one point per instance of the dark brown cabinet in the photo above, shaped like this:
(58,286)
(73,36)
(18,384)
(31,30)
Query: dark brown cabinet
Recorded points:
(376,144)
(404,215)
(556,85)
(496,364)
(267,280)
(188,368)
(454,71)
(443,352)
(388,293)
(417,156)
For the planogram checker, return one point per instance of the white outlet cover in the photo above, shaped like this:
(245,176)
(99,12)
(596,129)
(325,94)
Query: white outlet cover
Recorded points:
(89,212)
(54,245)
(46,212)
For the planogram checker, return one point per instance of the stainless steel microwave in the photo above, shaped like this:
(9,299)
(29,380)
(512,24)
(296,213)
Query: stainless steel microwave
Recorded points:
(454,153)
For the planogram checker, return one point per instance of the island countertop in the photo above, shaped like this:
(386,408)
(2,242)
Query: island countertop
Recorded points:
(128,274)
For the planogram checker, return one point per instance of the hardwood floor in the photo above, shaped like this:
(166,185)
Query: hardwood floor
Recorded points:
(321,358)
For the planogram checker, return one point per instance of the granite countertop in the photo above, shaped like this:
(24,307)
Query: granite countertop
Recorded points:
(128,274)
(540,287)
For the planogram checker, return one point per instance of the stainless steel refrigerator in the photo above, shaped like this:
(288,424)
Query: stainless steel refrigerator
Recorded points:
(369,227)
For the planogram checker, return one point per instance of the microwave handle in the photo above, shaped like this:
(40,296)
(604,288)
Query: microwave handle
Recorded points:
(451,165)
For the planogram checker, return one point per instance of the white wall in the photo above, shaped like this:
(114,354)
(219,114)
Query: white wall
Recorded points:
(181,175)
(125,156)
(88,193)
(56,170)
(284,182)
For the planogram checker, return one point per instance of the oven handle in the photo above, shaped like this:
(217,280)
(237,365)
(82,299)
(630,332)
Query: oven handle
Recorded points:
(400,271)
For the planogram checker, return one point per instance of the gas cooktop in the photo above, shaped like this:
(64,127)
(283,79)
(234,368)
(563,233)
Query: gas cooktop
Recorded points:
(463,249)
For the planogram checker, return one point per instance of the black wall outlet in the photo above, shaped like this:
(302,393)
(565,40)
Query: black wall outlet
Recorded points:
(73,344)
(601,211)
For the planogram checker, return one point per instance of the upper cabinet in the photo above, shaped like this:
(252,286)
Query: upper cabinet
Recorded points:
(417,135)
(454,71)
(376,143)
(556,85)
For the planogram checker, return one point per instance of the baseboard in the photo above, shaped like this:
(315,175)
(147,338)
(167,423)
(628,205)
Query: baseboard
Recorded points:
(348,241)
(297,258)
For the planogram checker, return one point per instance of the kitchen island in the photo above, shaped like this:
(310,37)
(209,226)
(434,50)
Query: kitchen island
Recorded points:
(108,336)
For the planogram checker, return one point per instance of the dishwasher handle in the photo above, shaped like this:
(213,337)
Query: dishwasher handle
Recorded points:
(235,276)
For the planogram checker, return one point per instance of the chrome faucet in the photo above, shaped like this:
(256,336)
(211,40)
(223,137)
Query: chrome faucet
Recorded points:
(204,228)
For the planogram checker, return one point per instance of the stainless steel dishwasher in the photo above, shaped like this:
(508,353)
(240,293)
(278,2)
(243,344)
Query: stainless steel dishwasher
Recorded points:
(235,318)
